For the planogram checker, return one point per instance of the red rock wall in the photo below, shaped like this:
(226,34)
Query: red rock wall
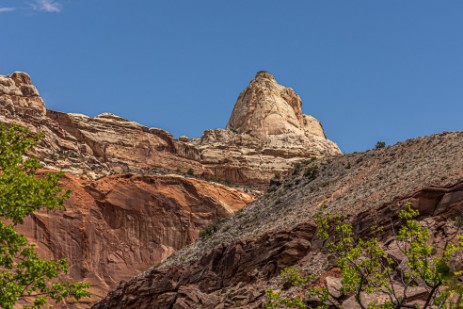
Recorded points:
(240,272)
(119,226)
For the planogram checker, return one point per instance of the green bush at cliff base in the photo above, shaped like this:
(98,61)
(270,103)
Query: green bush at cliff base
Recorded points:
(25,278)
(366,268)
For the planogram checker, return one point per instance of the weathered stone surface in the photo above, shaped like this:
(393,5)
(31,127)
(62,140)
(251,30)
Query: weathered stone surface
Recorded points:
(18,95)
(267,108)
(266,134)
(334,286)
(251,263)
(370,188)
(233,266)
(119,226)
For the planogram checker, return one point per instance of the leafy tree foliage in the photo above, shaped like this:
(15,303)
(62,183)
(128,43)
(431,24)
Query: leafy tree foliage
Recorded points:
(366,268)
(24,276)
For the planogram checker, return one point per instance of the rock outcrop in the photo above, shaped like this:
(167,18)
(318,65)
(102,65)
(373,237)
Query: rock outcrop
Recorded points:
(127,211)
(18,95)
(235,266)
(119,226)
(267,133)
(266,108)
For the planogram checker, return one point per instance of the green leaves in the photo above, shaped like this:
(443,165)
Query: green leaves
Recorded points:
(23,274)
(367,268)
(22,191)
(292,277)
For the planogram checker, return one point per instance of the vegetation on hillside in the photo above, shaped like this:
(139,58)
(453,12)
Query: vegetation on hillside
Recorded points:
(368,269)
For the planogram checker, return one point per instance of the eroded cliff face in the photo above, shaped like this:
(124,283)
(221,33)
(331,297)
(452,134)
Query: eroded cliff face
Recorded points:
(119,226)
(19,95)
(266,108)
(236,265)
(238,274)
(267,133)
(126,212)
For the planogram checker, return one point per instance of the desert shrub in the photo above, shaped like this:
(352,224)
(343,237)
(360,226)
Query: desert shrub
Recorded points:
(311,172)
(210,229)
(292,277)
(380,144)
(73,155)
(190,172)
(297,167)
(54,156)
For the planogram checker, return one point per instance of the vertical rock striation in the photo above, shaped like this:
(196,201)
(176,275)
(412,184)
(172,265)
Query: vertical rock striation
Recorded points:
(117,227)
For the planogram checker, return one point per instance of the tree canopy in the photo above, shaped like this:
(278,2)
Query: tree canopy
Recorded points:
(24,276)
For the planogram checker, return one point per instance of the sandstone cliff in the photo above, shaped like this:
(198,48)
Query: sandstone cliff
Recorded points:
(119,226)
(266,134)
(234,267)
(266,108)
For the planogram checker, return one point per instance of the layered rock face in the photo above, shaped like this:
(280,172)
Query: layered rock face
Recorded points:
(266,134)
(266,108)
(238,274)
(119,226)
(236,265)
(17,94)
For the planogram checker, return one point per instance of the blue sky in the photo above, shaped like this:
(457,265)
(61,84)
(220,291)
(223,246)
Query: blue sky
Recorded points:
(368,70)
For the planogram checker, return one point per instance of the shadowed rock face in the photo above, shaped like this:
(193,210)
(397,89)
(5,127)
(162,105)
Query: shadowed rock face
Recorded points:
(119,226)
(266,134)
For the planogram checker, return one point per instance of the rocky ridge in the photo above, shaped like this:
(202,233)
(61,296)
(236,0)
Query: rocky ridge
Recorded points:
(267,133)
(117,226)
(234,267)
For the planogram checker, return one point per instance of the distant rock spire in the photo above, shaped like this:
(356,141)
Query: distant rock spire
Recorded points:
(267,108)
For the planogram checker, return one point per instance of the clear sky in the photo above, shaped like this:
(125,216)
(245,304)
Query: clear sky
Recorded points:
(368,70)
